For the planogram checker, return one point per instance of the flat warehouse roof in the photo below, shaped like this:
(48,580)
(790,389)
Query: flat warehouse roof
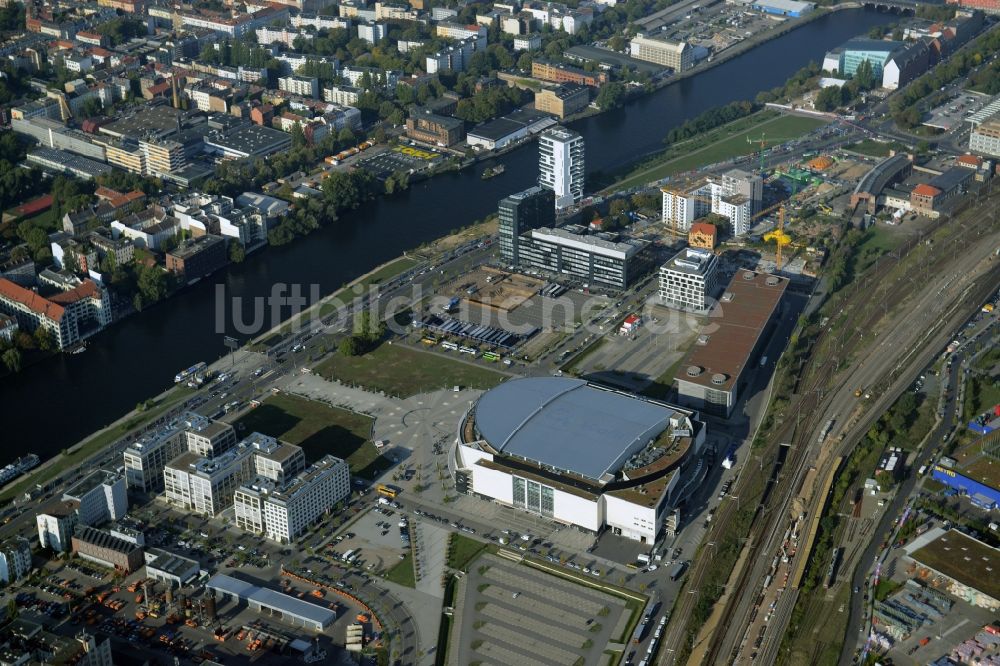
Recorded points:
(967,560)
(722,350)
(568,424)
(288,605)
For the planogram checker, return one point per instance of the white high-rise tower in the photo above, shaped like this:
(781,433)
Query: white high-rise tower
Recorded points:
(560,165)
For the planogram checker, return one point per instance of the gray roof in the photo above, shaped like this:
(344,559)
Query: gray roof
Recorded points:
(269,598)
(568,424)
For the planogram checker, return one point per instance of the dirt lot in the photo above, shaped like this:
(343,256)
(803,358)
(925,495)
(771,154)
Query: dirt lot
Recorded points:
(493,288)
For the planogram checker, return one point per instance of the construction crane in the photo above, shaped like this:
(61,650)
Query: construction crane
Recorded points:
(763,146)
(780,238)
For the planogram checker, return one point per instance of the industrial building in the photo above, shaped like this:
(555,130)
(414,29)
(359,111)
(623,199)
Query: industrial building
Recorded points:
(283,512)
(791,8)
(564,100)
(170,568)
(274,604)
(890,170)
(963,566)
(106,549)
(434,129)
(502,132)
(101,496)
(689,279)
(561,165)
(979,493)
(678,56)
(712,372)
(580,454)
(59,161)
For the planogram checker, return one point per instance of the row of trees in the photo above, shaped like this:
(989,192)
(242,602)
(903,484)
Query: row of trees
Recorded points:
(834,97)
(368,333)
(904,106)
(711,119)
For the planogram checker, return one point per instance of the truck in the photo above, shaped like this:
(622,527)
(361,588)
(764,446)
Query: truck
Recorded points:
(678,571)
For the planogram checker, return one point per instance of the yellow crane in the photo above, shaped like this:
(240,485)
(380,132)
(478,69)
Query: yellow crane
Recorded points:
(780,238)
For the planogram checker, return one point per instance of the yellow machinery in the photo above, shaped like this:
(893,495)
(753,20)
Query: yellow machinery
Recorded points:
(780,238)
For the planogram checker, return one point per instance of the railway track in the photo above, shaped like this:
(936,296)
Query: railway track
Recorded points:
(861,315)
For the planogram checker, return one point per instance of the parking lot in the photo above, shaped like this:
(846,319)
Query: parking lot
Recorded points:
(517,615)
(400,158)
(953,113)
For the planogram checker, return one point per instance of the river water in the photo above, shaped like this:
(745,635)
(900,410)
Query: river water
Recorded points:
(54,404)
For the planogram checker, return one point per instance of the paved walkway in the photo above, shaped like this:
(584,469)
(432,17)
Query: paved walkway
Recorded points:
(433,542)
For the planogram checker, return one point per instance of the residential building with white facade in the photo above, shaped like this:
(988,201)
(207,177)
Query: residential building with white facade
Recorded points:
(15,559)
(55,523)
(146,457)
(70,316)
(561,165)
(306,86)
(343,95)
(283,512)
(689,279)
(372,32)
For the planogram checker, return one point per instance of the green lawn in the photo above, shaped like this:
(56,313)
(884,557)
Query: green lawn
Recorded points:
(98,442)
(696,153)
(319,429)
(462,550)
(403,573)
(874,148)
(877,241)
(402,371)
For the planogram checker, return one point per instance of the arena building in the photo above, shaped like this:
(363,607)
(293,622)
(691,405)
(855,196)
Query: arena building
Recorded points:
(581,454)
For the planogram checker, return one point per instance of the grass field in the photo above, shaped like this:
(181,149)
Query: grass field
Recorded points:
(730,143)
(98,442)
(877,241)
(403,573)
(874,148)
(462,550)
(402,371)
(319,429)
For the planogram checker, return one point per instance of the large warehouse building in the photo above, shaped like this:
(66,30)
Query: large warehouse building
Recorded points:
(580,454)
(712,373)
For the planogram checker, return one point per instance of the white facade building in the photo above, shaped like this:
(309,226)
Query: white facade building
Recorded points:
(101,495)
(561,165)
(15,559)
(304,86)
(55,526)
(343,95)
(372,32)
(689,279)
(282,513)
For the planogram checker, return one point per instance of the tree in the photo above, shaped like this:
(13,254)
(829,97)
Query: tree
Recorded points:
(237,253)
(298,136)
(864,75)
(44,339)
(611,96)
(350,346)
(12,359)
(828,98)
(152,283)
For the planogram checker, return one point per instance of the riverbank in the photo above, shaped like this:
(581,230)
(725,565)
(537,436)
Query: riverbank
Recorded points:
(145,352)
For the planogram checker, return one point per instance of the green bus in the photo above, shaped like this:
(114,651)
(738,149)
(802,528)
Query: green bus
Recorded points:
(491,356)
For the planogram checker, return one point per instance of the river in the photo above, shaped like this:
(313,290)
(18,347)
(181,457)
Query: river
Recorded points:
(53,404)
